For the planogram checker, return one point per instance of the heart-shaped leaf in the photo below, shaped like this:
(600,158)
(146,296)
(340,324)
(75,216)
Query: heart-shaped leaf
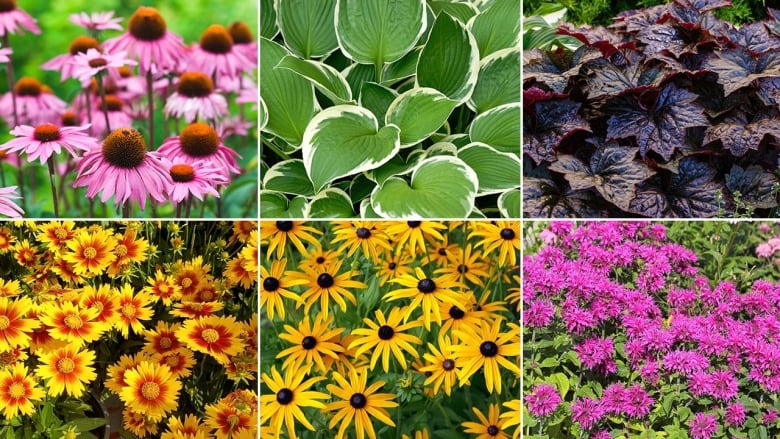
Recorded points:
(462,11)
(497,171)
(441,187)
(450,60)
(288,177)
(379,31)
(498,82)
(497,27)
(498,127)
(327,79)
(307,26)
(288,97)
(376,98)
(345,140)
(331,203)
(509,204)
(275,205)
(419,112)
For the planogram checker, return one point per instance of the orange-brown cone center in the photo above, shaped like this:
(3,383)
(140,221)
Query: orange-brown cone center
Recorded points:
(199,140)
(125,148)
(28,86)
(46,133)
(216,39)
(240,33)
(7,5)
(194,85)
(69,118)
(113,103)
(82,44)
(182,173)
(147,24)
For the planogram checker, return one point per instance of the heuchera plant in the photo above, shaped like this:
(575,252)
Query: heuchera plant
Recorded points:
(627,335)
(390,108)
(668,112)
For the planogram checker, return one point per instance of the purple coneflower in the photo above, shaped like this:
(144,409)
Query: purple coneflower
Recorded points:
(216,54)
(243,40)
(64,63)
(115,116)
(88,64)
(7,205)
(12,17)
(195,179)
(195,98)
(35,103)
(200,142)
(40,142)
(96,21)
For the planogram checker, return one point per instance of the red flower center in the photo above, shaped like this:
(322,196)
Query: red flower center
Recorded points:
(147,24)
(46,133)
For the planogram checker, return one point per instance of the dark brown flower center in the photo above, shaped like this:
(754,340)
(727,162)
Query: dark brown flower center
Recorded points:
(69,118)
(456,313)
(308,342)
(113,103)
(182,173)
(442,251)
(325,280)
(124,148)
(286,226)
(147,24)
(7,5)
(358,401)
(284,396)
(216,39)
(97,63)
(448,364)
(463,268)
(320,259)
(414,224)
(507,234)
(27,86)
(385,332)
(270,284)
(426,286)
(392,265)
(240,33)
(488,349)
(82,44)
(199,140)
(363,233)
(46,133)
(493,430)
(194,85)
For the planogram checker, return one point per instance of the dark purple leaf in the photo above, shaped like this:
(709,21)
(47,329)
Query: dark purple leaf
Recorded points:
(638,19)
(769,91)
(693,193)
(738,135)
(599,37)
(555,68)
(604,78)
(612,171)
(703,5)
(542,198)
(756,187)
(754,37)
(660,128)
(547,124)
(650,203)
(662,38)
(738,68)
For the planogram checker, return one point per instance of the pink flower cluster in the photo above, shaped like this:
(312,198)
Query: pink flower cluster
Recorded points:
(644,323)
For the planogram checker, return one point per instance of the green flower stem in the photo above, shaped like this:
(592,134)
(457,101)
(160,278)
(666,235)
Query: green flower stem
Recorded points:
(11,82)
(102,92)
(53,187)
(150,98)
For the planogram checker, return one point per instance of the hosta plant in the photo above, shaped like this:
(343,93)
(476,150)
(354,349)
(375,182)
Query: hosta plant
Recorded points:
(669,112)
(391,108)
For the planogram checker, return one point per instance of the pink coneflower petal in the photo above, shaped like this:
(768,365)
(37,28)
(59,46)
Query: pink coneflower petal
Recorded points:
(5,54)
(96,20)
(13,18)
(197,179)
(216,54)
(195,99)
(199,142)
(34,105)
(64,63)
(7,206)
(87,65)
(39,143)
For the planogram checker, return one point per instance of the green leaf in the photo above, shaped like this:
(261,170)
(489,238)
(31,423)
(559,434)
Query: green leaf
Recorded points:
(561,382)
(498,82)
(419,112)
(366,211)
(442,148)
(327,79)
(497,171)
(462,11)
(498,127)
(376,98)
(262,115)
(379,31)
(403,68)
(396,166)
(345,140)
(307,26)
(441,187)
(497,27)
(288,97)
(288,177)
(330,203)
(87,424)
(276,205)
(357,75)
(509,204)
(268,27)
(450,60)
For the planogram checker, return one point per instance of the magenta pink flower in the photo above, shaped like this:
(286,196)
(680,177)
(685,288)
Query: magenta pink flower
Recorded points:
(96,21)
(543,400)
(12,18)
(117,116)
(735,414)
(196,179)
(34,104)
(39,143)
(148,39)
(5,54)
(64,63)
(703,426)
(195,99)
(587,412)
(7,205)
(216,54)
(123,168)
(200,142)
(243,40)
(87,65)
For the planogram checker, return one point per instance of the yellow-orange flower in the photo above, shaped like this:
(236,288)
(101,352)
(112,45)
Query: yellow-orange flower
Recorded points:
(67,369)
(216,336)
(72,323)
(104,300)
(90,253)
(129,248)
(7,240)
(150,389)
(132,309)
(25,254)
(18,391)
(180,361)
(236,274)
(230,423)
(190,428)
(137,423)
(116,372)
(163,287)
(15,329)
(10,288)
(55,234)
(190,275)
(161,339)
(191,310)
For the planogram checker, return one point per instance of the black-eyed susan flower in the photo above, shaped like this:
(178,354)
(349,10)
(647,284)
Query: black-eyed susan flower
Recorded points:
(441,368)
(16,327)
(277,233)
(150,389)
(311,343)
(485,346)
(421,434)
(73,324)
(326,285)
(189,428)
(514,295)
(488,427)
(394,265)
(385,336)
(358,402)
(465,264)
(511,417)
(282,406)
(503,236)
(18,391)
(427,293)
(274,286)
(67,369)
(213,335)
(316,257)
(134,308)
(365,235)
(90,253)
(413,233)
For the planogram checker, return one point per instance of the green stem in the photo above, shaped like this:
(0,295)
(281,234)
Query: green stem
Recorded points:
(53,187)
(102,92)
